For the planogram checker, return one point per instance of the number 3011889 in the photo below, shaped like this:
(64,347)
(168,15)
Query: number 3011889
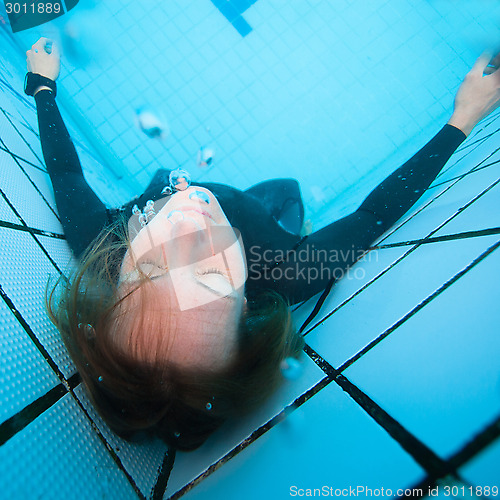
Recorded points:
(31,8)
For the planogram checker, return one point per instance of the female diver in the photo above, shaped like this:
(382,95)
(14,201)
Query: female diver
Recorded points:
(171,326)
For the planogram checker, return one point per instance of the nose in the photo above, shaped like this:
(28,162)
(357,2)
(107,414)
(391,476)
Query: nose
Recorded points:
(188,226)
(190,243)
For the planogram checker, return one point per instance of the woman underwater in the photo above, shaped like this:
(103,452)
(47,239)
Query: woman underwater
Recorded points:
(171,326)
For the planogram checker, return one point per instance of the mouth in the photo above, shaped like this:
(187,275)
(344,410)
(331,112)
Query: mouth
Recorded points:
(196,210)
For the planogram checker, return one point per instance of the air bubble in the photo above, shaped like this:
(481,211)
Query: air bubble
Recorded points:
(179,179)
(208,406)
(291,368)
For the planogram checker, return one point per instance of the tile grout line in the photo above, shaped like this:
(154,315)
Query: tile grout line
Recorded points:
(24,324)
(23,138)
(397,261)
(14,155)
(253,437)
(16,161)
(422,454)
(437,239)
(31,230)
(18,215)
(419,306)
(477,444)
(476,167)
(17,422)
(457,180)
(163,475)
(473,171)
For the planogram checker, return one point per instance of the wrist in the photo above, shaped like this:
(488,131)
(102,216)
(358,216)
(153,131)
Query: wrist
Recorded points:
(463,123)
(35,82)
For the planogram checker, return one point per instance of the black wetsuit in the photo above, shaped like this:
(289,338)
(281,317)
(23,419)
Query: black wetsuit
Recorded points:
(277,258)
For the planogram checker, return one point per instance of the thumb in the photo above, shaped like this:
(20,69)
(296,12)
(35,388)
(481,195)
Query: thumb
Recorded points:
(481,62)
(493,65)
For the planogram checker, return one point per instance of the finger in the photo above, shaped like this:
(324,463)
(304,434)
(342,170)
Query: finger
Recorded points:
(493,65)
(40,43)
(481,63)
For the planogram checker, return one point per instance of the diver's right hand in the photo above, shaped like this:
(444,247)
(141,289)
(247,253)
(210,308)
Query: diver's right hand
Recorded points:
(40,61)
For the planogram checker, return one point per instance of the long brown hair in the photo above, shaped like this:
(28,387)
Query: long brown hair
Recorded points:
(137,397)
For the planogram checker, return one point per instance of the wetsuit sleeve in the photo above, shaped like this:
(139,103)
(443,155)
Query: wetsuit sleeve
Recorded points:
(329,252)
(82,213)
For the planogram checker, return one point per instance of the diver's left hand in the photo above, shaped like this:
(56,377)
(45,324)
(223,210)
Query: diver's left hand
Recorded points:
(40,61)
(478,95)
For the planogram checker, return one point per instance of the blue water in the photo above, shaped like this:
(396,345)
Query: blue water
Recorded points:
(334,93)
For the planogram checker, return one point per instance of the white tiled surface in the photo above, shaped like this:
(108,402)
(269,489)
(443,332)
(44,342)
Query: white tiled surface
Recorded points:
(329,441)
(438,373)
(24,374)
(189,465)
(141,460)
(336,94)
(59,456)
(392,296)
(24,272)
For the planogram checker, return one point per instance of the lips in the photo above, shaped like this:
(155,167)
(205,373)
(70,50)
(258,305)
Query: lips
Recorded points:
(197,210)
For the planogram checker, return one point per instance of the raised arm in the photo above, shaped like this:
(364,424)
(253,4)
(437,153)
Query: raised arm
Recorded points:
(330,251)
(81,212)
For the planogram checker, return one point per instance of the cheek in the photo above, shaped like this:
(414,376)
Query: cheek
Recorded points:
(237,264)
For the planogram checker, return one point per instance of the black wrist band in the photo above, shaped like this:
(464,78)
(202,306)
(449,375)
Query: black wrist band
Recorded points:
(34,80)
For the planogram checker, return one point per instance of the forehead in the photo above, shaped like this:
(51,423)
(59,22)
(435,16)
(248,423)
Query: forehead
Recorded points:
(204,336)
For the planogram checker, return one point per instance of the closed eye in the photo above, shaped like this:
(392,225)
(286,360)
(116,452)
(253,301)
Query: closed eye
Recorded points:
(216,281)
(152,269)
(211,270)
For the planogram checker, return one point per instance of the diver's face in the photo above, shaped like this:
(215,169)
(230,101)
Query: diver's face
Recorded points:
(193,255)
